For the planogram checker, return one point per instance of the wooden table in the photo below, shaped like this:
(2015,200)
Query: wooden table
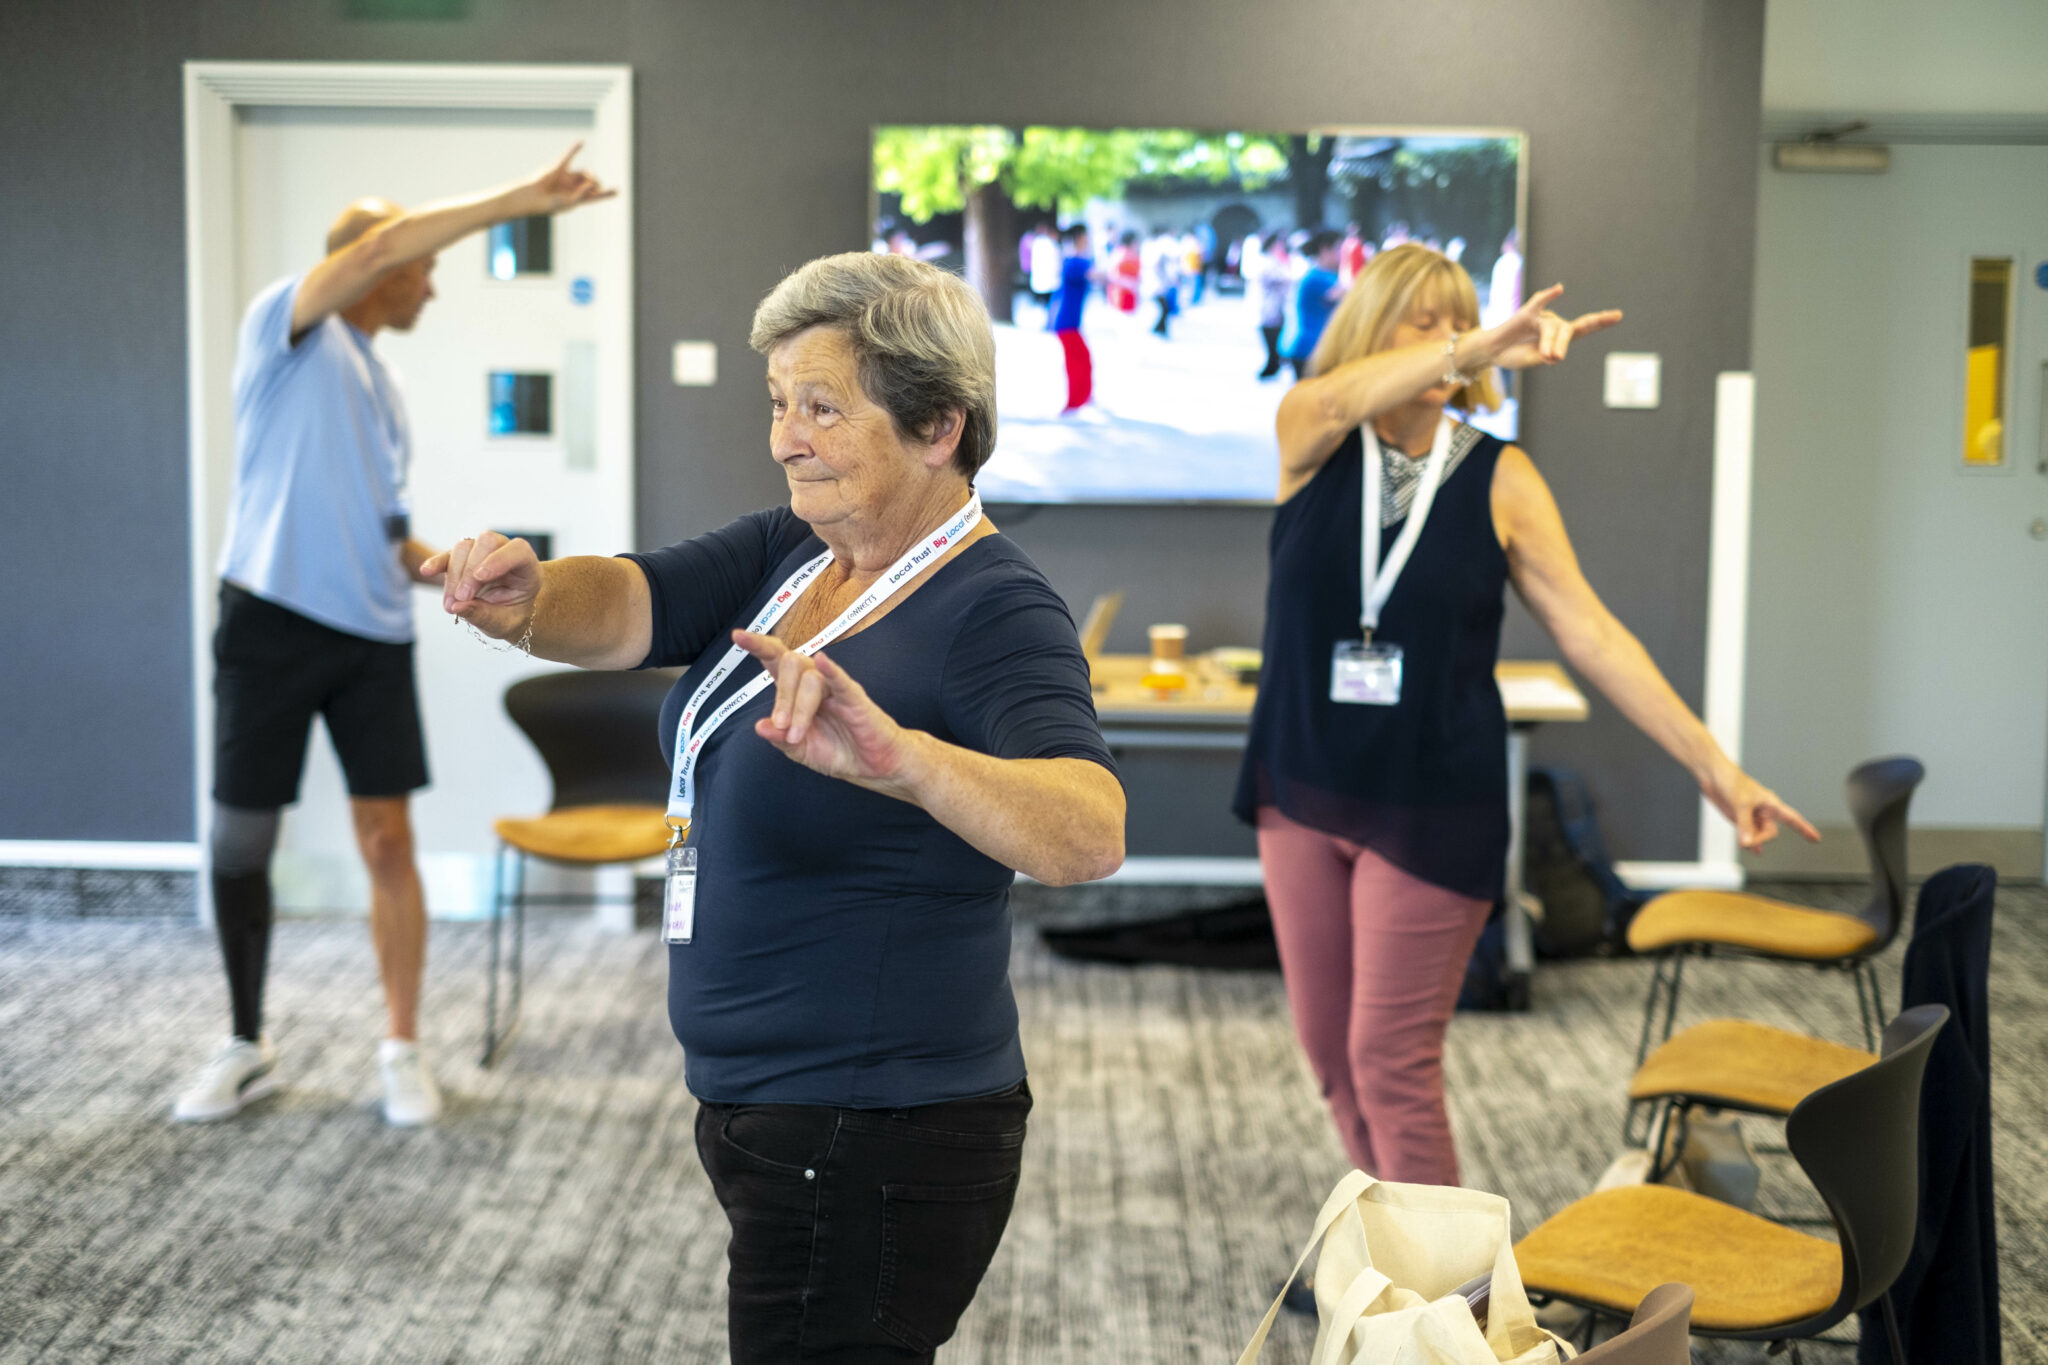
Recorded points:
(1533,691)
(1214,712)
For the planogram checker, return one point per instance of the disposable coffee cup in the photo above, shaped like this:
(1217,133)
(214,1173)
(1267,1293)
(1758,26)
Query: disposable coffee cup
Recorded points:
(1169,645)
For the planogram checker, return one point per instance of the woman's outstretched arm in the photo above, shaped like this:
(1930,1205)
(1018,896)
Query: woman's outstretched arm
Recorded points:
(1317,414)
(1546,573)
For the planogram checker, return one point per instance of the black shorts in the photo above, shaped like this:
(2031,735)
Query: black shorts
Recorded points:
(273,670)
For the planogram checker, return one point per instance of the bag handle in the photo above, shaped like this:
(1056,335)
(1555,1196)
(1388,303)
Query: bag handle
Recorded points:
(1359,1295)
(1345,1196)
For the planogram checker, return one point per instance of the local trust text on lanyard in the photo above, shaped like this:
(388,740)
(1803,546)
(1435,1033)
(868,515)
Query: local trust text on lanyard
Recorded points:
(679,893)
(1367,671)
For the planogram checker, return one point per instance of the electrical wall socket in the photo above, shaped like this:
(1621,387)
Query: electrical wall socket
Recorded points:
(695,363)
(1633,379)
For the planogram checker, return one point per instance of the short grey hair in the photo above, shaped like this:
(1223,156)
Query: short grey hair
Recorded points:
(920,338)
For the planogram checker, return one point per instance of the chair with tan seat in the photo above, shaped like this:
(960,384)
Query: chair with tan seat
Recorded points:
(1857,1139)
(1732,1064)
(595,731)
(1684,924)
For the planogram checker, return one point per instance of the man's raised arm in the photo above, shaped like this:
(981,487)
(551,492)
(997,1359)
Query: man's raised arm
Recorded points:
(349,273)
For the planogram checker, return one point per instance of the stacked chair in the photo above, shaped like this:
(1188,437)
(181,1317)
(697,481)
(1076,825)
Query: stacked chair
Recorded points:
(1857,1139)
(1681,925)
(1917,1260)
(595,731)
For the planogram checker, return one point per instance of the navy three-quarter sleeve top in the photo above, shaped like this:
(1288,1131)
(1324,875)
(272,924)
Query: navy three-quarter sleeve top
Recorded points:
(850,950)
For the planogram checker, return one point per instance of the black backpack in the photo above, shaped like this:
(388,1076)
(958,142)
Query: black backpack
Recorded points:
(1586,906)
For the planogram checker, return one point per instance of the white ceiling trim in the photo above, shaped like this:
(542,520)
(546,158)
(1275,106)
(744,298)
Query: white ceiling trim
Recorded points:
(410,85)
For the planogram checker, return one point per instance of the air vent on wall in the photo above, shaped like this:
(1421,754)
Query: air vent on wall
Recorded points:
(1823,150)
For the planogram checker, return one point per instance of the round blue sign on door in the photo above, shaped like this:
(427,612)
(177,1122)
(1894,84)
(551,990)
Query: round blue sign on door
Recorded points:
(581,290)
(2041,274)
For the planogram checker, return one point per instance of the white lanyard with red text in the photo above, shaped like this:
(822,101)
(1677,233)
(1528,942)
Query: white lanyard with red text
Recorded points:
(1367,672)
(679,912)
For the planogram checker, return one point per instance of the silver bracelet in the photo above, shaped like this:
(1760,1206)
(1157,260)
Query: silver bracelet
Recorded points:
(1453,376)
(522,645)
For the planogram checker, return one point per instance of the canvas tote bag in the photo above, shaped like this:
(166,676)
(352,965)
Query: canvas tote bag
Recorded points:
(1393,1257)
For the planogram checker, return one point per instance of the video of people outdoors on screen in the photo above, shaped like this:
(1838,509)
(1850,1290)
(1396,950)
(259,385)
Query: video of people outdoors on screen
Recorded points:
(1155,291)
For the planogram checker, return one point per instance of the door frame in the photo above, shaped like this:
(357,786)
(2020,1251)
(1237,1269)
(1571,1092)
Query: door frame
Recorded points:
(213,93)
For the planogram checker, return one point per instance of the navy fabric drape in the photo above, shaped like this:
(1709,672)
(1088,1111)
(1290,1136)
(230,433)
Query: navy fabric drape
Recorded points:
(1947,1296)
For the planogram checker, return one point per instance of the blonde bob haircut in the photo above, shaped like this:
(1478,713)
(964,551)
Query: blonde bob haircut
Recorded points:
(1394,284)
(920,337)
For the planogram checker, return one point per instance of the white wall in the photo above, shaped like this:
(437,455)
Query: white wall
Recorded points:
(1876,622)
(1895,599)
(1869,57)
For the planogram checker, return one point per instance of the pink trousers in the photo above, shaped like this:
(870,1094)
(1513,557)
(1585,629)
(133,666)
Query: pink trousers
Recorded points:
(1373,959)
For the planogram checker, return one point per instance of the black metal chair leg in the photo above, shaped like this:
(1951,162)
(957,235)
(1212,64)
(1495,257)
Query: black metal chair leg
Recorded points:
(1664,984)
(518,941)
(1891,1329)
(1671,994)
(491,981)
(1650,1006)
(1669,1131)
(1865,972)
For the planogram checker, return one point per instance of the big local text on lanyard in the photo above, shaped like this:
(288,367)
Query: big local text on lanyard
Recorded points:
(679,891)
(1366,671)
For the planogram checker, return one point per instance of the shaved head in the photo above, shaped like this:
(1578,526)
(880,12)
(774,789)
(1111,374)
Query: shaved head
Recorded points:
(357,219)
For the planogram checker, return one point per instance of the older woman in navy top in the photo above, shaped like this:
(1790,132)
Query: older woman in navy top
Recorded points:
(1376,772)
(843,995)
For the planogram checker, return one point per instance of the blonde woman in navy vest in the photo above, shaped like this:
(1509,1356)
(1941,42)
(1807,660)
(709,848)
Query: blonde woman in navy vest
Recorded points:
(1376,772)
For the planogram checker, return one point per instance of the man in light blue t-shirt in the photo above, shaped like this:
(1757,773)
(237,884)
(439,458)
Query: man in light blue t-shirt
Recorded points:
(316,612)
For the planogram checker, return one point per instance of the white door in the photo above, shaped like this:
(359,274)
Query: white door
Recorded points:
(295,168)
(1896,592)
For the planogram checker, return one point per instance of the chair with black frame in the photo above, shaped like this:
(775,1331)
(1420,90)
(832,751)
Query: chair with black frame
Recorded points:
(595,731)
(1735,1064)
(1684,924)
(1857,1140)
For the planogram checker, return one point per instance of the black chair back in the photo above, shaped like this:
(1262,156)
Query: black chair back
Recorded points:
(1859,1142)
(1879,793)
(596,733)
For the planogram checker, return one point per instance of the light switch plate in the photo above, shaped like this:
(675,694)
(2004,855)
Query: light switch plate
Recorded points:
(696,363)
(1633,379)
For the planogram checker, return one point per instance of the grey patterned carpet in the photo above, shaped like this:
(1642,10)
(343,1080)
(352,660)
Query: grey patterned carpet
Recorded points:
(1178,1151)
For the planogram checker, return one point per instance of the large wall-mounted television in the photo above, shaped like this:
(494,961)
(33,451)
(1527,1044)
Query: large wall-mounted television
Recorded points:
(1194,238)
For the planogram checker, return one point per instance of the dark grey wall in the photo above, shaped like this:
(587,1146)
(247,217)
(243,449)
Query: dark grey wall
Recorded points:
(752,133)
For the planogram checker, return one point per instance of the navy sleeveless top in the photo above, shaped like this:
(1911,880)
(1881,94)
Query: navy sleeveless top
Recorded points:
(1422,783)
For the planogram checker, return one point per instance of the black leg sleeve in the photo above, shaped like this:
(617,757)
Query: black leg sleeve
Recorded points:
(242,913)
(241,844)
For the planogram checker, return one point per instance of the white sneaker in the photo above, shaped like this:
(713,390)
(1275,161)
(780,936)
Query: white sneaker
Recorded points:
(410,1096)
(240,1072)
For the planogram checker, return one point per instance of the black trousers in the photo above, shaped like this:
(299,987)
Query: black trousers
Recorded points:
(859,1235)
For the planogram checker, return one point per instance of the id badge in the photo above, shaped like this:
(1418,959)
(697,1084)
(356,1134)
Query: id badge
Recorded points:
(679,895)
(1365,673)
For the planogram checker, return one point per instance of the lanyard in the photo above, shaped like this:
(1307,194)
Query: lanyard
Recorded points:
(690,737)
(1376,583)
(389,401)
